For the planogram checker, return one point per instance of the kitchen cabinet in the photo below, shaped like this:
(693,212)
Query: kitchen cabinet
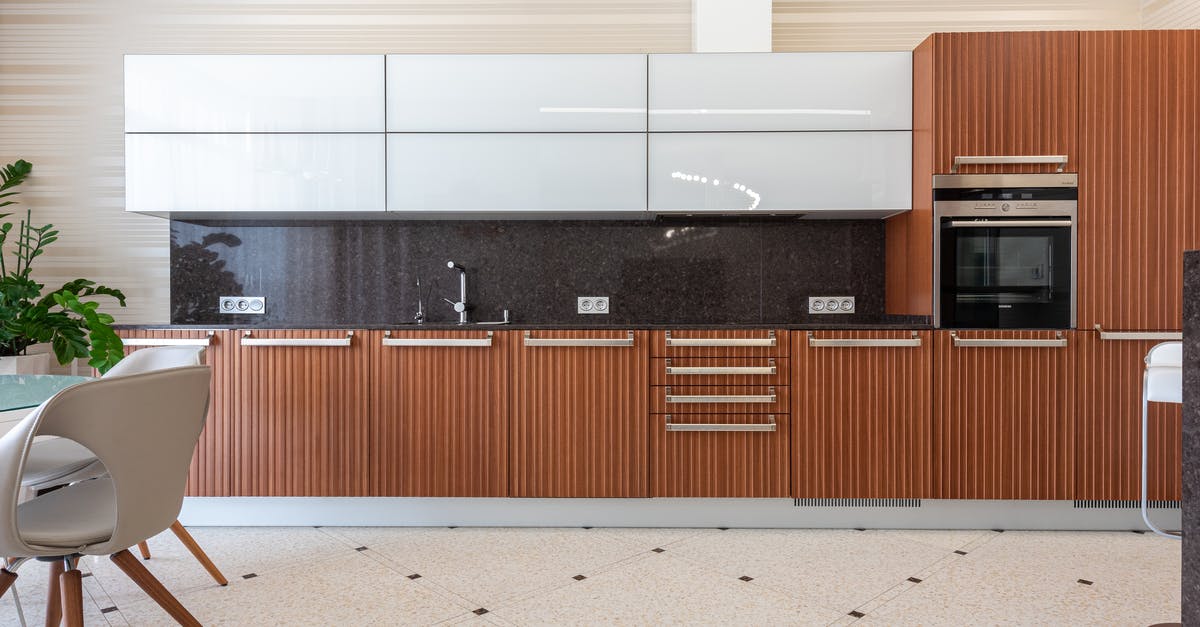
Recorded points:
(720,455)
(254,93)
(231,173)
(517,172)
(300,403)
(439,412)
(212,471)
(808,91)
(863,414)
(1108,431)
(720,343)
(1004,414)
(516,93)
(863,174)
(1138,204)
(579,421)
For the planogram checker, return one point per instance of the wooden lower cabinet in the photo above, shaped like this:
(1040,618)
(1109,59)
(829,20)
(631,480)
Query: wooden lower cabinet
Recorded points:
(439,412)
(743,459)
(579,418)
(862,414)
(1004,415)
(1108,428)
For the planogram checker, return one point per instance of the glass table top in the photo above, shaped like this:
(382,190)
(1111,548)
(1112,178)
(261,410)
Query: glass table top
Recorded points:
(22,391)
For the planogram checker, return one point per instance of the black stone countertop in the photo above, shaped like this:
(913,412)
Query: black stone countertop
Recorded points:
(904,324)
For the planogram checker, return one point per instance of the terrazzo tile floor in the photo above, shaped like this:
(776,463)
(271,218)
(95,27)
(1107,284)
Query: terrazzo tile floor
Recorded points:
(580,576)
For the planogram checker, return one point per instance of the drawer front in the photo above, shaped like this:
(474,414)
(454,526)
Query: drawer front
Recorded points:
(720,455)
(719,371)
(719,399)
(720,343)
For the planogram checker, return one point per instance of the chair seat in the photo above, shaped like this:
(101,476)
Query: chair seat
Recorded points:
(77,515)
(1164,384)
(58,461)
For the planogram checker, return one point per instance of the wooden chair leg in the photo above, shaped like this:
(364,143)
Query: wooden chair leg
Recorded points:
(72,597)
(197,552)
(7,579)
(144,549)
(153,587)
(53,595)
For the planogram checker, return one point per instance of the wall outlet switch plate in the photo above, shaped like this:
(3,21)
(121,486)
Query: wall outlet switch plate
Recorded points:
(243,305)
(591,305)
(830,304)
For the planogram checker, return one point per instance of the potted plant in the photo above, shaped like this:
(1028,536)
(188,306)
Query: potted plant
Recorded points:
(72,326)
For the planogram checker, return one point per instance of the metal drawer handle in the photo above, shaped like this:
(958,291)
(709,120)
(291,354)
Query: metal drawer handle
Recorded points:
(158,341)
(388,340)
(593,342)
(702,370)
(1130,336)
(767,426)
(1059,160)
(850,342)
(1058,342)
(296,341)
(722,398)
(960,224)
(722,341)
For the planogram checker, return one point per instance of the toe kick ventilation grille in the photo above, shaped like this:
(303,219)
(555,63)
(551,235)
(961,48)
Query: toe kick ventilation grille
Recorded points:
(858,502)
(1124,504)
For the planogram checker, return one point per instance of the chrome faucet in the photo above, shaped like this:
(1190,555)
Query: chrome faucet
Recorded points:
(461,306)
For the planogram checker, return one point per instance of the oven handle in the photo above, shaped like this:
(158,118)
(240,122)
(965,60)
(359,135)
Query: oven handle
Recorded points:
(959,224)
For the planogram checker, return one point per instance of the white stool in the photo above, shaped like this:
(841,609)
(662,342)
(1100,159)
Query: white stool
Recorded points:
(1162,383)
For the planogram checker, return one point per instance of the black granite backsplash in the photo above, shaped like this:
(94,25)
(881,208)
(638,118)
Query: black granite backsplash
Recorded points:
(677,271)
(1191,438)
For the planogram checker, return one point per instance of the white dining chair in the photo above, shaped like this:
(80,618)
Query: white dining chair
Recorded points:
(1161,383)
(146,447)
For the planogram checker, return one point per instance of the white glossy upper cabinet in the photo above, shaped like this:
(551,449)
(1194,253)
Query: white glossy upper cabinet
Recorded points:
(801,91)
(516,172)
(254,93)
(516,92)
(822,174)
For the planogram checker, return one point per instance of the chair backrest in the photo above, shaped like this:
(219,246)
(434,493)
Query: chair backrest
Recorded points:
(1168,354)
(157,358)
(142,427)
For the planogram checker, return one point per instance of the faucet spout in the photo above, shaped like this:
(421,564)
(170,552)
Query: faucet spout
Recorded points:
(461,306)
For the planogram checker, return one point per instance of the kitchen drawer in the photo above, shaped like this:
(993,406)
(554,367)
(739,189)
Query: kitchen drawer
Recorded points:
(719,343)
(719,371)
(719,399)
(720,455)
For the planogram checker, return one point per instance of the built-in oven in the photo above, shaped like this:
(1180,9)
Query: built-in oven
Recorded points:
(1004,250)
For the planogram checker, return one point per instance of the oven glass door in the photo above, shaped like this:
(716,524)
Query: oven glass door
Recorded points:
(1005,276)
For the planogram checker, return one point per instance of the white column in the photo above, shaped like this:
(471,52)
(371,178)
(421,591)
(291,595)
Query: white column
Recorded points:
(731,25)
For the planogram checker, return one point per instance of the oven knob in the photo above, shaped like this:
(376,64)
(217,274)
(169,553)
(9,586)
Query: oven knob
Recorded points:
(1004,207)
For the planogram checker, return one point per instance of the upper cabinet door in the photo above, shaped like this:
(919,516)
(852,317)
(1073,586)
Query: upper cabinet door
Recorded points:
(516,92)
(253,93)
(781,91)
(815,172)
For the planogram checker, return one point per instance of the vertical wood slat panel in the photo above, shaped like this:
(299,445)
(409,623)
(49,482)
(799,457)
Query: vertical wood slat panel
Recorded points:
(1004,418)
(723,464)
(1139,196)
(439,418)
(1109,405)
(863,418)
(579,419)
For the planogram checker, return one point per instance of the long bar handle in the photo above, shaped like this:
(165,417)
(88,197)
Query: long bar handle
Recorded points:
(853,342)
(703,370)
(722,341)
(483,342)
(174,341)
(722,398)
(295,341)
(581,342)
(1059,160)
(708,426)
(1058,342)
(960,224)
(1130,336)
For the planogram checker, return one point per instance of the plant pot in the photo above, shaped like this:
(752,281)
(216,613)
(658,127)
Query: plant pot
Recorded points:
(38,363)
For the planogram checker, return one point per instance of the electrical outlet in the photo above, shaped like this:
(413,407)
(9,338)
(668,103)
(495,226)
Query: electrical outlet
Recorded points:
(591,305)
(243,305)
(830,304)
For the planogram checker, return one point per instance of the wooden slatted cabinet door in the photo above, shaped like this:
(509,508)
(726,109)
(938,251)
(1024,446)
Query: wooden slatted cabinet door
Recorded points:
(863,415)
(439,414)
(301,420)
(1004,416)
(580,416)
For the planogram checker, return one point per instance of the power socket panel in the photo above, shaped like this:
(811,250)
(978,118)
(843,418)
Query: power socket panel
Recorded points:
(242,305)
(830,304)
(591,305)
